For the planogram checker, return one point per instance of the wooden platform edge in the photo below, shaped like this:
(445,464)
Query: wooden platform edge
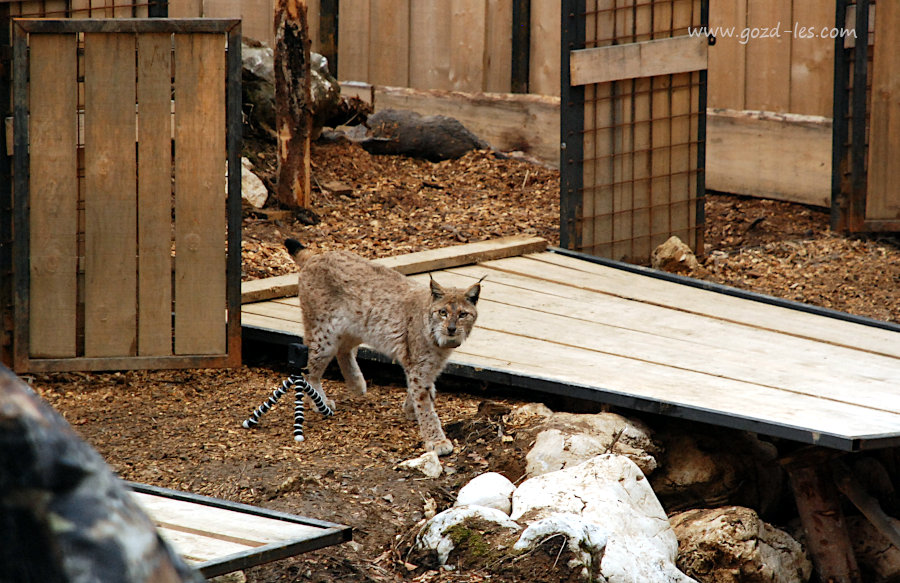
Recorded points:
(281,286)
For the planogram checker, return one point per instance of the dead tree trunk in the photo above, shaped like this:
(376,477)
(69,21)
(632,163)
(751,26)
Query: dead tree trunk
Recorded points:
(293,102)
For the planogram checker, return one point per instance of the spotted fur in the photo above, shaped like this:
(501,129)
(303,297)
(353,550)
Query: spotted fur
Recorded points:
(347,301)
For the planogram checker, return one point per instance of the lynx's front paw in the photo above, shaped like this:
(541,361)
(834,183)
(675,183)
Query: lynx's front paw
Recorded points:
(443,447)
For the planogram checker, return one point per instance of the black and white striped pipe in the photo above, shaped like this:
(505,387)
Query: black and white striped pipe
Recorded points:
(300,387)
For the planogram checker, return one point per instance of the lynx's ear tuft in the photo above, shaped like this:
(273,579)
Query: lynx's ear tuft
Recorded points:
(474,292)
(293,246)
(437,292)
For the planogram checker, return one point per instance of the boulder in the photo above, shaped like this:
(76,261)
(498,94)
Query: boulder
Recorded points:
(674,256)
(714,466)
(253,190)
(484,532)
(733,545)
(610,494)
(492,490)
(567,439)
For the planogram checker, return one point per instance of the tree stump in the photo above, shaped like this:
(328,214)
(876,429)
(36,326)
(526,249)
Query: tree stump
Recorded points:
(293,108)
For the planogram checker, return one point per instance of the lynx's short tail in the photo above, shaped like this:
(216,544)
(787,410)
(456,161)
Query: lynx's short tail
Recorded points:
(297,251)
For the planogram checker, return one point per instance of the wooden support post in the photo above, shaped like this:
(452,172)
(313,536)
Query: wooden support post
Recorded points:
(820,513)
(293,102)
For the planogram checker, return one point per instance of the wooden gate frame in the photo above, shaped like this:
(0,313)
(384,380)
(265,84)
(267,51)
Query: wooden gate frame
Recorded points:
(580,67)
(231,30)
(853,95)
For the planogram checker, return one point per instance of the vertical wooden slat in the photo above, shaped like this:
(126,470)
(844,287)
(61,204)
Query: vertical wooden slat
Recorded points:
(80,8)
(56,8)
(545,42)
(53,197)
(110,197)
(601,203)
(883,196)
(185,8)
(154,195)
(727,59)
(200,285)
(623,161)
(660,136)
(353,40)
(389,42)
(467,45)
(498,46)
(812,59)
(589,143)
(767,85)
(682,211)
(429,44)
(641,140)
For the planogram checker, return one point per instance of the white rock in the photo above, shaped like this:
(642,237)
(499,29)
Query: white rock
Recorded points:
(732,544)
(492,490)
(427,463)
(568,439)
(611,492)
(585,540)
(252,188)
(434,535)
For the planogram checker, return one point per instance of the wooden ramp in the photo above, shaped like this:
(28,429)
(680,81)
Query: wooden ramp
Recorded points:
(640,339)
(217,537)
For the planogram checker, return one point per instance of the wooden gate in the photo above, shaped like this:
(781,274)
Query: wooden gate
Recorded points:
(865,197)
(127,245)
(633,125)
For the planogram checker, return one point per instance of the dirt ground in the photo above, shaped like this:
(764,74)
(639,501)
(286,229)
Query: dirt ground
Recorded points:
(181,429)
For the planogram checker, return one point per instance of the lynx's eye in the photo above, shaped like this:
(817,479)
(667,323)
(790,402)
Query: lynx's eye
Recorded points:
(464,314)
(443,313)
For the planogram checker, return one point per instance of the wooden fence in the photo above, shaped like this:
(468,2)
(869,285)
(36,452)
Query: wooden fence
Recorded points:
(126,255)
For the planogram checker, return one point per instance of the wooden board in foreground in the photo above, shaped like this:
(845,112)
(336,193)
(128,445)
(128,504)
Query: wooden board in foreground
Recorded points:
(217,536)
(409,264)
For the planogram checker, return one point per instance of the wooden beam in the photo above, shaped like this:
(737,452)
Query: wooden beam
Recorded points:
(821,516)
(409,264)
(645,59)
(748,152)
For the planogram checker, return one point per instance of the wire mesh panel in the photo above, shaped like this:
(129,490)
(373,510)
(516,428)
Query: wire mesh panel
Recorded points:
(127,252)
(634,84)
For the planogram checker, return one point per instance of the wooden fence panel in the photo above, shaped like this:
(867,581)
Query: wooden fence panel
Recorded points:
(110,204)
(353,40)
(389,42)
(154,87)
(430,45)
(53,197)
(200,285)
(498,46)
(467,44)
(545,46)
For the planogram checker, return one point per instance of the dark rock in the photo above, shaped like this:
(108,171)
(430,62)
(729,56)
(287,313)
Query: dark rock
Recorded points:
(432,137)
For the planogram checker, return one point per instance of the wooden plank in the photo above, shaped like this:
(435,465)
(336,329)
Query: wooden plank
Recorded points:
(767,84)
(420,262)
(527,123)
(883,196)
(644,59)
(597,205)
(498,46)
(430,44)
(195,548)
(668,338)
(110,201)
(727,58)
(684,211)
(546,31)
(353,41)
(467,45)
(80,8)
(53,197)
(747,152)
(388,42)
(154,90)
(185,8)
(641,169)
(200,195)
(623,144)
(812,59)
(223,524)
(698,301)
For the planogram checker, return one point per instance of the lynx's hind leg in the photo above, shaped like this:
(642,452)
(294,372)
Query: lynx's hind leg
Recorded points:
(353,377)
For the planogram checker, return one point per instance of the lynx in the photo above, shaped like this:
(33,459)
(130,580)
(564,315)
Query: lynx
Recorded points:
(347,301)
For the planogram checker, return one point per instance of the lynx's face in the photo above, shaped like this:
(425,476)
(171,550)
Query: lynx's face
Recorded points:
(452,314)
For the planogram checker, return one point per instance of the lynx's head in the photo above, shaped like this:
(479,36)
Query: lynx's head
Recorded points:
(452,313)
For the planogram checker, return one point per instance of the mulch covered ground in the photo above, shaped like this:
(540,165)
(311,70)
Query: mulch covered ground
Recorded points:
(181,429)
